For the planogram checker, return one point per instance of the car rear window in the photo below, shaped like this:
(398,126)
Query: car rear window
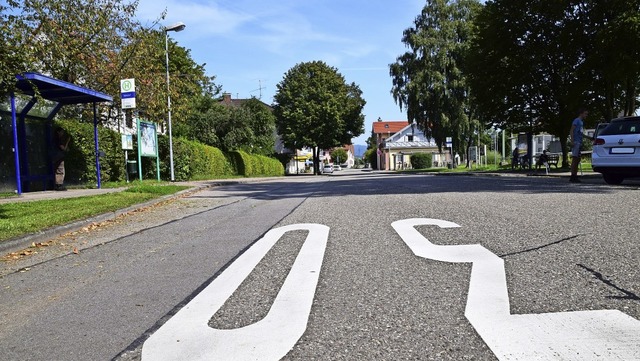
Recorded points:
(626,126)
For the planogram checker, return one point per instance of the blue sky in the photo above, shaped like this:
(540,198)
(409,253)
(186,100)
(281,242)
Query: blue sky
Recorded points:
(249,44)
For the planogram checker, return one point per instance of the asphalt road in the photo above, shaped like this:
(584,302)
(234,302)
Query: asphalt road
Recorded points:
(564,248)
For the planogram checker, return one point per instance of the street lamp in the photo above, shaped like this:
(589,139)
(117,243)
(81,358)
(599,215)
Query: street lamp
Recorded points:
(179,26)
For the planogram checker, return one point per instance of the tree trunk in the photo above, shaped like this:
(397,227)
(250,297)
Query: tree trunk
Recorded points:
(565,157)
(316,161)
(467,147)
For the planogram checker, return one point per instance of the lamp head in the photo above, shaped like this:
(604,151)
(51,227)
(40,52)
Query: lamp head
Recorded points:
(179,26)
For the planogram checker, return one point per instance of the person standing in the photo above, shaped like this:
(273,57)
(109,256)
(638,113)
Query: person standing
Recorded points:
(61,145)
(576,136)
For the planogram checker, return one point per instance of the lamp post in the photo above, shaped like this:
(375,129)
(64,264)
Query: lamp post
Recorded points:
(179,26)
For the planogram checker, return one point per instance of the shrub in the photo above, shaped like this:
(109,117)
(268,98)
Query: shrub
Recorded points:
(251,165)
(191,160)
(80,162)
(371,156)
(421,161)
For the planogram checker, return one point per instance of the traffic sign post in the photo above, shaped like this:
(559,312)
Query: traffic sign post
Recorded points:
(128,93)
(449,144)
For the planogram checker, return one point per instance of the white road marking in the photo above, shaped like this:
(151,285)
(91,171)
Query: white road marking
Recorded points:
(187,335)
(583,335)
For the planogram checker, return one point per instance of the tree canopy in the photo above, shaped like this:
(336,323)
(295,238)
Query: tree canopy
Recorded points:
(534,63)
(249,127)
(428,80)
(96,44)
(315,107)
(339,156)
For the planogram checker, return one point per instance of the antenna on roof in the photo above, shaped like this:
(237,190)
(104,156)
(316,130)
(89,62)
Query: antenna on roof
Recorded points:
(260,87)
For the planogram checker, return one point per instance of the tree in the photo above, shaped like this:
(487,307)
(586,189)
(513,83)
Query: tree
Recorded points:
(262,123)
(315,107)
(533,64)
(97,43)
(72,40)
(339,155)
(144,59)
(249,127)
(428,80)
(612,54)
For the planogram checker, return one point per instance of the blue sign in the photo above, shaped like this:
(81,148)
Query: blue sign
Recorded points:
(127,95)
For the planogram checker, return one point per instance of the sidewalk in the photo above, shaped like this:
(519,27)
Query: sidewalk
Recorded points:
(71,193)
(85,192)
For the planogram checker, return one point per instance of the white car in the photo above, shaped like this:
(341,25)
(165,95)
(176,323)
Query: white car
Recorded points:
(337,167)
(328,169)
(616,150)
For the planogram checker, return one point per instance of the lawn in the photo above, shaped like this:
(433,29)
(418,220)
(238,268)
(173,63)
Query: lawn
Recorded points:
(21,218)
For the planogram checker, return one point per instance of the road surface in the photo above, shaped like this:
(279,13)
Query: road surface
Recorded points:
(342,267)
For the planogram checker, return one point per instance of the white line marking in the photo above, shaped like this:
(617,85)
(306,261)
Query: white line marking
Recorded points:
(187,335)
(582,335)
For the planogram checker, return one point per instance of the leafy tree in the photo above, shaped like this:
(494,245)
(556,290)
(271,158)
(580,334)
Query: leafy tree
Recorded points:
(97,43)
(428,80)
(612,31)
(72,40)
(262,124)
(249,127)
(315,107)
(144,60)
(339,155)
(533,64)
(370,156)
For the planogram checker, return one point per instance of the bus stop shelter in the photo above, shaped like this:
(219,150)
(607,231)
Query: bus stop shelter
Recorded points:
(58,93)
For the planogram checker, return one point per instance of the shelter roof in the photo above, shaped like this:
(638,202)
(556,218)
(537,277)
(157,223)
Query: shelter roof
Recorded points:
(58,90)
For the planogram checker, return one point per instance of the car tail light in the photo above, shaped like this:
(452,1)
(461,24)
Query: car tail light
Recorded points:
(598,141)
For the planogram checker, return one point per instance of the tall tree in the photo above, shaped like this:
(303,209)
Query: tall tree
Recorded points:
(339,156)
(144,59)
(96,43)
(72,40)
(249,127)
(534,63)
(316,108)
(612,54)
(428,80)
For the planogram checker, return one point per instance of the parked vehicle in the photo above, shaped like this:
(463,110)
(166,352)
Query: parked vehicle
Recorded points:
(337,167)
(599,128)
(328,169)
(616,150)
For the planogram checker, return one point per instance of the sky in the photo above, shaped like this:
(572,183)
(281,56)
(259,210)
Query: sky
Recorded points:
(249,45)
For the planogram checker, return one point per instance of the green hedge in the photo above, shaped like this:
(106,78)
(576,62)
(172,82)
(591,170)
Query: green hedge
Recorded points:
(421,161)
(252,165)
(80,162)
(192,160)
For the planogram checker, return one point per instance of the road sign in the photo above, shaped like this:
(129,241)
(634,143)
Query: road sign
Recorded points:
(449,142)
(128,93)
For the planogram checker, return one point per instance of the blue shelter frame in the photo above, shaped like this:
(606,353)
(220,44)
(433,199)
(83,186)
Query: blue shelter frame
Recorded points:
(60,92)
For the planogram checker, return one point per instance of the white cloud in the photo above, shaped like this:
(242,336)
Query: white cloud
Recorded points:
(203,19)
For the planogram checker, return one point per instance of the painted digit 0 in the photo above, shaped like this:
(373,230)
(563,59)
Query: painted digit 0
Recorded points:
(187,335)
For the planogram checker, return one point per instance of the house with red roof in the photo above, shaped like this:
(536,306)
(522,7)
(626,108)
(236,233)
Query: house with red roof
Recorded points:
(397,140)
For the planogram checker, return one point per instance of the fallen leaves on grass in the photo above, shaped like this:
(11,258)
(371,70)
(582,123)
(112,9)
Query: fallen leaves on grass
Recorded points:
(68,238)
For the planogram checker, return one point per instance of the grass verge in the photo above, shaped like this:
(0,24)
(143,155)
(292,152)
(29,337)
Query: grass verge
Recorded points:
(20,218)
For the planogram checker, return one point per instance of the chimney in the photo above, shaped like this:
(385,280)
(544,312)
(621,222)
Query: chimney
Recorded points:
(226,98)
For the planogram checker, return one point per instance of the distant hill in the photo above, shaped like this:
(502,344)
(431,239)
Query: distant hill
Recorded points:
(359,149)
